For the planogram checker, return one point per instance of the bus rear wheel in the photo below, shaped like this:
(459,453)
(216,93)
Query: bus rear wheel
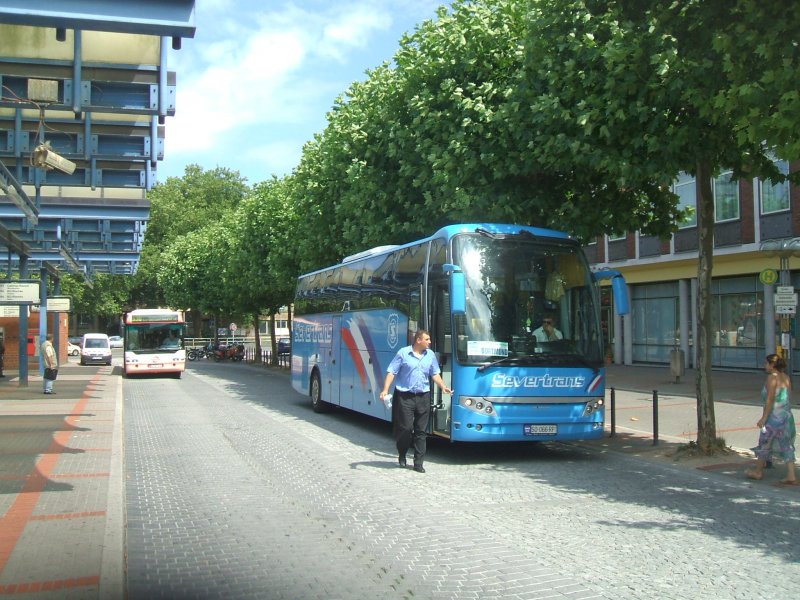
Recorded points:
(317,403)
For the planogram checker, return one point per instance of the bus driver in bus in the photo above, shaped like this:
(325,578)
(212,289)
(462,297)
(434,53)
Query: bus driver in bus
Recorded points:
(547,332)
(171,341)
(413,367)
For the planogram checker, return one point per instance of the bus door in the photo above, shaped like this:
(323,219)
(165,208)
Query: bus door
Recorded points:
(439,314)
(333,381)
(348,373)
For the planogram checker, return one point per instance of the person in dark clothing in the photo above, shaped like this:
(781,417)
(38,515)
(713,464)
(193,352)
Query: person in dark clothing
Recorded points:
(411,370)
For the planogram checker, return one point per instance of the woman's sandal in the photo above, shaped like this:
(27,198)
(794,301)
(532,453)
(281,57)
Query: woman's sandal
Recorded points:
(754,475)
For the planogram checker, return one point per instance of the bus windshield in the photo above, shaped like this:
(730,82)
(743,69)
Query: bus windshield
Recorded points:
(153,337)
(527,302)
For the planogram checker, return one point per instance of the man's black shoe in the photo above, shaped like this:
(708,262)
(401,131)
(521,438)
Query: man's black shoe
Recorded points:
(419,468)
(401,460)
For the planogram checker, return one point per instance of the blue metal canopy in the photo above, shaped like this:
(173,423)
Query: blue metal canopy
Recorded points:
(85,92)
(153,17)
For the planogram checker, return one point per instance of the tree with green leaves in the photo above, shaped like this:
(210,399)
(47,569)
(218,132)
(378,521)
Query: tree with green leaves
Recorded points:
(442,136)
(633,95)
(179,206)
(417,145)
(193,271)
(264,264)
(106,300)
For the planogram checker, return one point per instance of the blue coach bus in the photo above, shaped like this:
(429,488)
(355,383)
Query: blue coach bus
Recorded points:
(484,291)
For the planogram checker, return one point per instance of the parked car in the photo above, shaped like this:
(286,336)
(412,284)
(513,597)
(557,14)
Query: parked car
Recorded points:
(115,341)
(95,349)
(284,346)
(75,339)
(73,349)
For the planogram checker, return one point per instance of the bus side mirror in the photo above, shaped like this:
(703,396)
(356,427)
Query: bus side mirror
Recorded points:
(458,293)
(618,287)
(620,290)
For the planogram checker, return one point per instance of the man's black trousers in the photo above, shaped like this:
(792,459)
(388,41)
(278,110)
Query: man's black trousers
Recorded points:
(411,423)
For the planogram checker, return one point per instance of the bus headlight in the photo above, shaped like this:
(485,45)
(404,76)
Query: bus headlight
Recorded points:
(593,406)
(478,405)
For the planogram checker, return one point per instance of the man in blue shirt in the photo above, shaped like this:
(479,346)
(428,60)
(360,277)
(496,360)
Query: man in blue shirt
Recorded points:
(413,367)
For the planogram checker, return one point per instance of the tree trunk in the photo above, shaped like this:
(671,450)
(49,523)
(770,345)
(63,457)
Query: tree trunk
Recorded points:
(706,422)
(257,357)
(274,354)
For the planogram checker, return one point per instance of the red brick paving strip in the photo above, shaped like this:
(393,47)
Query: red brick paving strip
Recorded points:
(13,523)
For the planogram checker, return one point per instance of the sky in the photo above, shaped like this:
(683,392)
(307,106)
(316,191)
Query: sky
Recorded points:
(259,77)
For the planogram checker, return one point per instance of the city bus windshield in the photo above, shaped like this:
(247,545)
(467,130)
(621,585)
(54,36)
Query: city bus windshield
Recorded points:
(528,302)
(154,337)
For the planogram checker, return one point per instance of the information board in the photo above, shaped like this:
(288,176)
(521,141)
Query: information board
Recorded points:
(19,292)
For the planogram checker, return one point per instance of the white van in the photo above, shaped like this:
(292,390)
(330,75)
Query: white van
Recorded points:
(95,348)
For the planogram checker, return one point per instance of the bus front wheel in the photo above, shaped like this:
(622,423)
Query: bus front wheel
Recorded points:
(317,403)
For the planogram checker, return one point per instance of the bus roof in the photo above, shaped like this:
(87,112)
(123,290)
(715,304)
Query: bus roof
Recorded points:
(450,231)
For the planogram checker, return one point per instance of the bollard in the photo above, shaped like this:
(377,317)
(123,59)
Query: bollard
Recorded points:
(613,413)
(655,417)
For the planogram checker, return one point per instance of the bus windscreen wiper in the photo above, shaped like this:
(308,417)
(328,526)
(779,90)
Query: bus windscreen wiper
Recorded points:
(499,361)
(530,358)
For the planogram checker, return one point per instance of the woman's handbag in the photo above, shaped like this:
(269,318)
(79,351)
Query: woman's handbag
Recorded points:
(50,374)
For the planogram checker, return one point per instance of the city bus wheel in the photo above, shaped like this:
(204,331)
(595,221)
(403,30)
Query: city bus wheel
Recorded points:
(317,403)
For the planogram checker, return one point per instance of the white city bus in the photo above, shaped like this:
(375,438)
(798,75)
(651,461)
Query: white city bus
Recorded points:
(154,341)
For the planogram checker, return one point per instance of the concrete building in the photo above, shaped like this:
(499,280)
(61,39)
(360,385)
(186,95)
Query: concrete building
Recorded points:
(756,256)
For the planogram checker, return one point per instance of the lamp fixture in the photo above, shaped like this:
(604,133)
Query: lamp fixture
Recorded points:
(45,157)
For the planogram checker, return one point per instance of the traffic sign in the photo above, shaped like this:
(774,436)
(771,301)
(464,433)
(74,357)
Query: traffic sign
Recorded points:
(785,296)
(232,326)
(11,310)
(19,292)
(56,304)
(785,300)
(768,276)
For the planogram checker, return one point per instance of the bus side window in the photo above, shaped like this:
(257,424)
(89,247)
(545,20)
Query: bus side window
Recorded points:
(414,307)
(441,316)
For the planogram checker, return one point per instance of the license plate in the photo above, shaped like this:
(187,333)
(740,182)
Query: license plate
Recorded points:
(540,429)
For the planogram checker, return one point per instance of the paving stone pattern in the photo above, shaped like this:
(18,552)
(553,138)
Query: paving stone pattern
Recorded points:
(236,489)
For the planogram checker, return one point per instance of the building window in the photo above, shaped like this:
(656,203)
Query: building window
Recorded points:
(726,197)
(737,323)
(685,187)
(775,196)
(654,310)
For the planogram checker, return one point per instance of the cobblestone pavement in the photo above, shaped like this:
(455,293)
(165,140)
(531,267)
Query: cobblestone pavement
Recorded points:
(236,489)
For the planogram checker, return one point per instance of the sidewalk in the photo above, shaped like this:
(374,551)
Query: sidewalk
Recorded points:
(727,386)
(61,485)
(737,408)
